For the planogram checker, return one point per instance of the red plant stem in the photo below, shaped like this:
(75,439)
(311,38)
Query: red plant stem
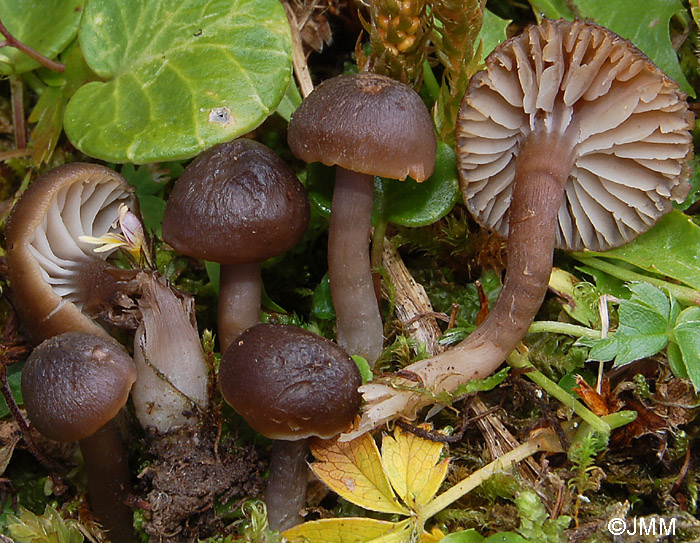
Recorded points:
(11,41)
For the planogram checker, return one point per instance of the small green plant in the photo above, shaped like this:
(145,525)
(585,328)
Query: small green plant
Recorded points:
(47,528)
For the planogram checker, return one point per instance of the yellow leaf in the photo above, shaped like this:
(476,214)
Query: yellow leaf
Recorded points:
(353,470)
(349,530)
(413,466)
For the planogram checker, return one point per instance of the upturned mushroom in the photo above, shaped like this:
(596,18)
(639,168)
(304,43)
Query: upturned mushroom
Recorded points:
(570,138)
(56,278)
(237,204)
(73,386)
(365,124)
(289,384)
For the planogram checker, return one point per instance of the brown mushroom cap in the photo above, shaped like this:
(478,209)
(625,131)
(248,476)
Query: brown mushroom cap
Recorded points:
(74,383)
(53,274)
(628,122)
(238,202)
(289,383)
(365,123)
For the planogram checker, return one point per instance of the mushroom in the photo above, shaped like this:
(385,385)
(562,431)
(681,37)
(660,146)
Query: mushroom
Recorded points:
(173,377)
(73,386)
(367,125)
(570,138)
(237,204)
(289,384)
(55,277)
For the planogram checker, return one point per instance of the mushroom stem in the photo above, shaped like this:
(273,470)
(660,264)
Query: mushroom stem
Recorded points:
(358,320)
(109,482)
(239,300)
(285,495)
(542,170)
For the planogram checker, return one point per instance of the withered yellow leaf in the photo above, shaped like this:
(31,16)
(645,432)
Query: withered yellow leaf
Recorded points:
(349,530)
(413,467)
(353,470)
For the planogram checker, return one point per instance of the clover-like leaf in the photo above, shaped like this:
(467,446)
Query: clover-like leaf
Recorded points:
(413,467)
(354,470)
(177,78)
(47,26)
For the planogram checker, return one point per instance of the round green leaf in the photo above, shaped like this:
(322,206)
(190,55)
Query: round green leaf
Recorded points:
(47,26)
(177,77)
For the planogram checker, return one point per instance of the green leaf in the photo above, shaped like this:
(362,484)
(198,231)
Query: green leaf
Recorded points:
(644,327)
(686,333)
(646,24)
(493,31)
(363,366)
(14,379)
(322,304)
(671,249)
(47,26)
(177,77)
(465,536)
(408,203)
(552,9)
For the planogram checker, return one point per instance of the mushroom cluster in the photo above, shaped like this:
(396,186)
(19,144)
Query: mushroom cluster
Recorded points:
(570,138)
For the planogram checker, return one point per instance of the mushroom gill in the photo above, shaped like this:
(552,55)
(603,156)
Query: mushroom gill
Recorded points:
(570,138)
(54,275)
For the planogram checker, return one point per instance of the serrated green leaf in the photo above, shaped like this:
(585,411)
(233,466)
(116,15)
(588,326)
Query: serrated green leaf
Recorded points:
(493,32)
(47,26)
(675,360)
(686,333)
(650,296)
(178,77)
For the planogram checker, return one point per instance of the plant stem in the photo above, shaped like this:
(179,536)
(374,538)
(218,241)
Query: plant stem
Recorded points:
(563,328)
(681,293)
(545,440)
(518,359)
(20,125)
(11,41)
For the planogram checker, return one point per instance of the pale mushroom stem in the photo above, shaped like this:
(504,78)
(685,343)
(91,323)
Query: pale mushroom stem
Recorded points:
(239,300)
(352,289)
(543,167)
(109,482)
(285,495)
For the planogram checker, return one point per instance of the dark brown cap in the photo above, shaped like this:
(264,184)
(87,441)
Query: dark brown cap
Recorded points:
(289,383)
(366,123)
(627,122)
(237,202)
(53,274)
(74,383)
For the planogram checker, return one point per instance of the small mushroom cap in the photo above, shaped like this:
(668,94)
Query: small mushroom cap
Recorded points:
(289,383)
(627,121)
(74,383)
(53,274)
(237,202)
(366,123)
